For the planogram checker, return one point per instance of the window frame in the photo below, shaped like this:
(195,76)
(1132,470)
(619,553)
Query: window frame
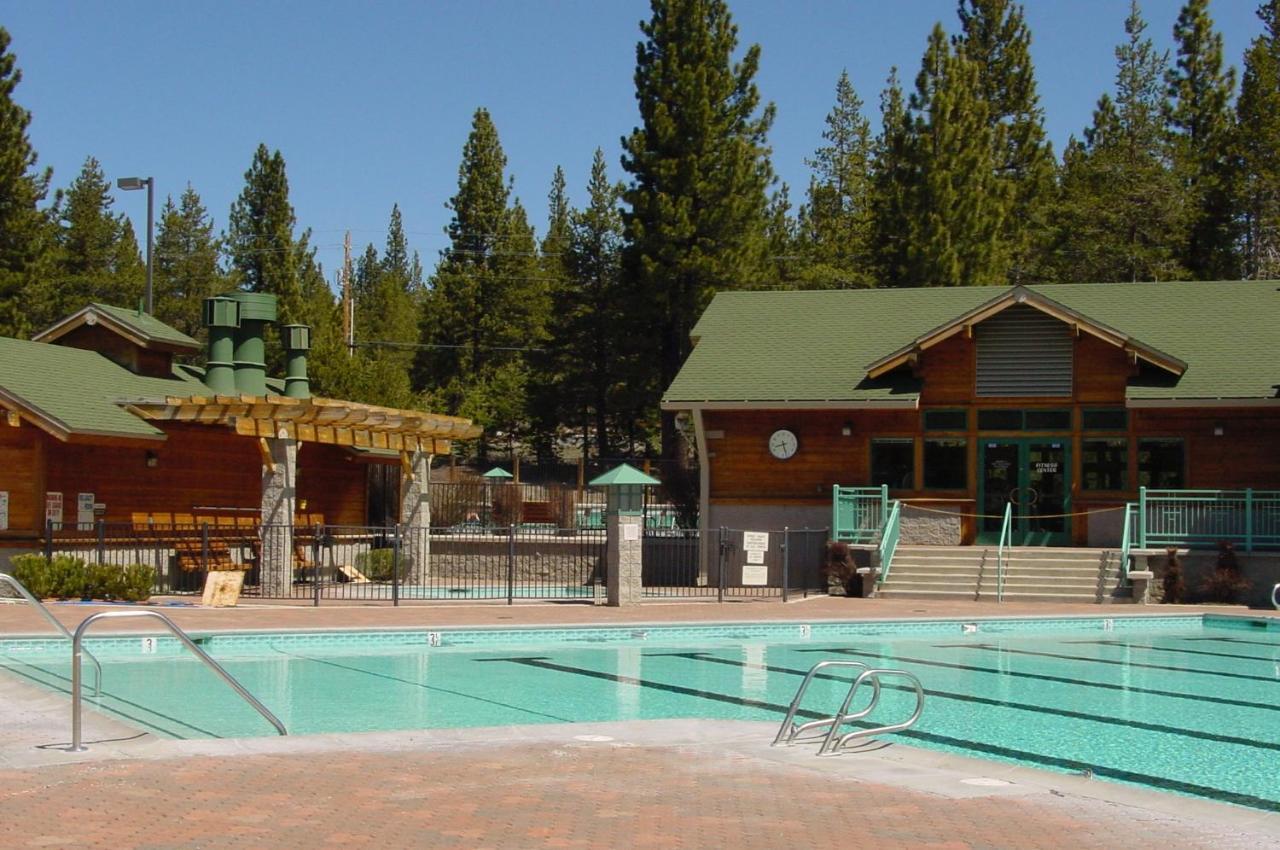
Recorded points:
(964,469)
(909,441)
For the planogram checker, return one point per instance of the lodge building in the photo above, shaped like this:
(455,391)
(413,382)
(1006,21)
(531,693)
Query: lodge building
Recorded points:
(1060,400)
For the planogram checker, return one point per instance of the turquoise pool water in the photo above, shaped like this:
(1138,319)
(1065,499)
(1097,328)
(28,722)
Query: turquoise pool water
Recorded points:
(1171,703)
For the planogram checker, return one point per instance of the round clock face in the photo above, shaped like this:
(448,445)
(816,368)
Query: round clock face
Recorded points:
(783,444)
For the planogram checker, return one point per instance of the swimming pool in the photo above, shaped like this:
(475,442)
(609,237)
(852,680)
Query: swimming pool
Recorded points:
(1186,704)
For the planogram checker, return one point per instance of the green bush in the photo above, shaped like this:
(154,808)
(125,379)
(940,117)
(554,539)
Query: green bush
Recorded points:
(66,577)
(378,564)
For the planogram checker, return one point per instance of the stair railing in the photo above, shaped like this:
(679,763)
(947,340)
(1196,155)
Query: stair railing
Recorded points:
(1006,539)
(889,541)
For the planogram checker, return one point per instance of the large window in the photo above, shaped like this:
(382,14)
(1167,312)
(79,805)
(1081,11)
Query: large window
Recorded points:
(893,462)
(1161,464)
(946,464)
(945,420)
(1104,464)
(1007,419)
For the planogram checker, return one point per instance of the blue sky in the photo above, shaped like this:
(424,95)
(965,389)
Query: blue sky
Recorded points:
(371,103)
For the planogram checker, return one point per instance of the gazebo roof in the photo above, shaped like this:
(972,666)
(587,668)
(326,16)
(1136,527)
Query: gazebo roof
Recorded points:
(623,474)
(497,472)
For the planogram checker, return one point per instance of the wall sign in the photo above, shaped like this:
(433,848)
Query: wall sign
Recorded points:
(53,509)
(755,575)
(4,510)
(84,511)
(755,556)
(755,540)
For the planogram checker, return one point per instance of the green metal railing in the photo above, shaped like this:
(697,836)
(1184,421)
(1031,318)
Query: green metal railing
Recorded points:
(1006,542)
(889,541)
(858,513)
(1204,518)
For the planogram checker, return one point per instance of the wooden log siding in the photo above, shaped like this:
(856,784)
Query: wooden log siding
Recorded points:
(22,475)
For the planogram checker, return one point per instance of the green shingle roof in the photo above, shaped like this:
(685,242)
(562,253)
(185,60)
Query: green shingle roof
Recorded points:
(78,390)
(816,346)
(142,325)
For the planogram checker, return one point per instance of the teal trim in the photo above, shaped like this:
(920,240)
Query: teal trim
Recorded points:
(889,542)
(1205,518)
(858,513)
(1024,530)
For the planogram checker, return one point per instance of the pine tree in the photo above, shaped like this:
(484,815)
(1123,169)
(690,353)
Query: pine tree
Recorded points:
(890,179)
(1257,149)
(835,222)
(994,36)
(548,391)
(1201,121)
(97,254)
(260,240)
(186,263)
(789,260)
(699,169)
(1121,214)
(954,207)
(26,235)
(488,303)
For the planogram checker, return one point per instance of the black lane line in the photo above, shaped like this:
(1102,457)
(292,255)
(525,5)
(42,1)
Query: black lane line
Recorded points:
(150,724)
(1154,648)
(1208,792)
(1269,643)
(425,687)
(1045,677)
(987,647)
(1000,703)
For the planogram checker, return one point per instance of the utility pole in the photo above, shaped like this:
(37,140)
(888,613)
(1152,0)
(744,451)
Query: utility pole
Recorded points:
(348,303)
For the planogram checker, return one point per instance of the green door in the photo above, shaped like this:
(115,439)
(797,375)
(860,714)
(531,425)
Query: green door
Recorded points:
(1033,475)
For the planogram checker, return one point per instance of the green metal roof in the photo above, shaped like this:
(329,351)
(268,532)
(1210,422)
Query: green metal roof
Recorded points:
(816,346)
(77,390)
(623,474)
(497,472)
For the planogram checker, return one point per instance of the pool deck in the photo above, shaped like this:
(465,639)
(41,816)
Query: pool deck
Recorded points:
(657,784)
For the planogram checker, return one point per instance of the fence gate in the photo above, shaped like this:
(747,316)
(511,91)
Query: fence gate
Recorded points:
(770,562)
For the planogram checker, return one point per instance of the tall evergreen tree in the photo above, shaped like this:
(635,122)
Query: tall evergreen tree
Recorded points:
(955,208)
(890,179)
(97,253)
(186,263)
(1257,149)
(1121,214)
(488,304)
(1201,121)
(835,221)
(547,392)
(260,240)
(699,169)
(994,35)
(26,235)
(789,257)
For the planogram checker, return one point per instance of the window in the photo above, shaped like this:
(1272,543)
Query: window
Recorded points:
(1104,464)
(1024,420)
(1160,464)
(946,464)
(1000,420)
(1114,419)
(1048,420)
(893,462)
(945,420)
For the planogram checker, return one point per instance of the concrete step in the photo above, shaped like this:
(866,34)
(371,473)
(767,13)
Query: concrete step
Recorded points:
(899,593)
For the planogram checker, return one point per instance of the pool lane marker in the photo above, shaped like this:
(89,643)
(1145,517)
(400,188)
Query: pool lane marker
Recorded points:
(1154,648)
(1215,737)
(1269,643)
(991,647)
(1069,765)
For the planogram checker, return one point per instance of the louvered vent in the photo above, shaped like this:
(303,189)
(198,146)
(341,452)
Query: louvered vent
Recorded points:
(1023,352)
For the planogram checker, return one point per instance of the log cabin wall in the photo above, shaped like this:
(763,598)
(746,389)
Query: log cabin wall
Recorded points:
(743,473)
(22,477)
(333,482)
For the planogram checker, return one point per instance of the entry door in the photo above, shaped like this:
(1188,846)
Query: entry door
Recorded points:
(1034,476)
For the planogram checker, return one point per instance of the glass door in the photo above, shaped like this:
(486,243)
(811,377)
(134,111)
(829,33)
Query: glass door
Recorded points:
(1032,475)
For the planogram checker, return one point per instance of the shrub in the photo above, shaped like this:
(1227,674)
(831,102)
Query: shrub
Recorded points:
(378,564)
(66,577)
(33,572)
(1225,583)
(136,581)
(1172,583)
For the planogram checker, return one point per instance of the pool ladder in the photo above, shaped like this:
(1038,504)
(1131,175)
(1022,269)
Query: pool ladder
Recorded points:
(22,591)
(833,741)
(77,649)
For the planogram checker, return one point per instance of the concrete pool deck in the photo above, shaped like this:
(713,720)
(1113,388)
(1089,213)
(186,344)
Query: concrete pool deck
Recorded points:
(656,784)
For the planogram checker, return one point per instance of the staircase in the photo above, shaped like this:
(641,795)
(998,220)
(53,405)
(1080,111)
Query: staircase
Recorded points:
(1031,574)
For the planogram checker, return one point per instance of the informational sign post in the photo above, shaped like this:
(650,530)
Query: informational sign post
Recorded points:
(53,509)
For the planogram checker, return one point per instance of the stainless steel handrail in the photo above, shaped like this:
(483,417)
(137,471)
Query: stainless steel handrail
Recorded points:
(5,578)
(77,639)
(788,731)
(836,741)
(1275,603)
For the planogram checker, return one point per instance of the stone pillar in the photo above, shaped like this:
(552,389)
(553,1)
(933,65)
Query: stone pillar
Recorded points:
(1141,582)
(415,516)
(622,567)
(279,499)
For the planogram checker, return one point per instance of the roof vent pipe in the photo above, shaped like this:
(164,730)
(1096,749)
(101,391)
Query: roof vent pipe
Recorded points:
(257,310)
(297,342)
(222,318)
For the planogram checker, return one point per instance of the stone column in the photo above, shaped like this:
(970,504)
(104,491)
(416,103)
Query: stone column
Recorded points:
(623,559)
(279,499)
(415,517)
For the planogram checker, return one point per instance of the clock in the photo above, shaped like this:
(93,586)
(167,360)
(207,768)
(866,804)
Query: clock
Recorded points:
(783,444)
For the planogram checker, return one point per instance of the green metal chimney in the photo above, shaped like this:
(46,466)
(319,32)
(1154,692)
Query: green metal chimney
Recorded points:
(257,310)
(222,318)
(297,342)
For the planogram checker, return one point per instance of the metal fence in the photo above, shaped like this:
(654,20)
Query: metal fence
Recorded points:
(770,563)
(858,513)
(1205,518)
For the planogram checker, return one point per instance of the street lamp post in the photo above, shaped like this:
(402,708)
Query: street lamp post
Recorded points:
(129,184)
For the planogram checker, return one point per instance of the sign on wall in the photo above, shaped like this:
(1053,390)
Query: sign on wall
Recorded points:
(53,509)
(4,510)
(755,575)
(757,540)
(84,511)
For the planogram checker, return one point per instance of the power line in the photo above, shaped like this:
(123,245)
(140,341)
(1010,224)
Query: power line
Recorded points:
(378,343)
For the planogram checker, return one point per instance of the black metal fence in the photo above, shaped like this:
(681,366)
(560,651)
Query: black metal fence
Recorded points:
(456,562)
